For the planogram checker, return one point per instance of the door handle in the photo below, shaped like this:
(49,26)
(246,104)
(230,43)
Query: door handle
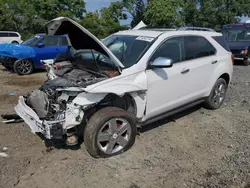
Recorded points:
(185,71)
(214,62)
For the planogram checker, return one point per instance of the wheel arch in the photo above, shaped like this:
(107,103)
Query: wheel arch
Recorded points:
(223,70)
(14,42)
(32,60)
(133,102)
(127,102)
(226,77)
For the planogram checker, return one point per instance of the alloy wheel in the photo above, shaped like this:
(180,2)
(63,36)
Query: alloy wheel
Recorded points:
(24,66)
(219,94)
(114,135)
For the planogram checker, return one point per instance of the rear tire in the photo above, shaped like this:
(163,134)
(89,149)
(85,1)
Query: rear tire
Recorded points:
(246,62)
(217,95)
(23,67)
(110,131)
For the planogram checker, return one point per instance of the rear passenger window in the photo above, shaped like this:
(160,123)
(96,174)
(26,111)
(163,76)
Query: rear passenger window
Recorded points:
(13,35)
(197,47)
(51,40)
(172,48)
(222,42)
(63,41)
(2,34)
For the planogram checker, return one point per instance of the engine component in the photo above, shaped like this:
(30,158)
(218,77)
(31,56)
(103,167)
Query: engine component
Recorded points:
(74,78)
(39,102)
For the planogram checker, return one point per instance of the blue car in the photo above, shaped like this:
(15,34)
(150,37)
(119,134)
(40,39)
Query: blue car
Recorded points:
(26,57)
(238,39)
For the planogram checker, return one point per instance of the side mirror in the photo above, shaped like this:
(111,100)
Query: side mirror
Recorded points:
(40,45)
(161,62)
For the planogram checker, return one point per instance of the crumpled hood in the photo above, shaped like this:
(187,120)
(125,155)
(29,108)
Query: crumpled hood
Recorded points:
(80,38)
(18,51)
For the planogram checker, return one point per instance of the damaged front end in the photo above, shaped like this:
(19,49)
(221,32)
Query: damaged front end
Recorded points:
(79,86)
(51,109)
(54,113)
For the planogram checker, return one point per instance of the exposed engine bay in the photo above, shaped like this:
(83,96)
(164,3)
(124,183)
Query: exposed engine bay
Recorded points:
(52,102)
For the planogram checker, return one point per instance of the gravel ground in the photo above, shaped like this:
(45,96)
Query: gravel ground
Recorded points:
(198,148)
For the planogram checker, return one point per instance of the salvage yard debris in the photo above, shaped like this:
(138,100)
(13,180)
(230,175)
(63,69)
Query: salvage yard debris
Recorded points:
(11,118)
(2,154)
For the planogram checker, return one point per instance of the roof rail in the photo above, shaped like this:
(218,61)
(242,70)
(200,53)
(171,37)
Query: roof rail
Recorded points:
(177,29)
(157,28)
(195,29)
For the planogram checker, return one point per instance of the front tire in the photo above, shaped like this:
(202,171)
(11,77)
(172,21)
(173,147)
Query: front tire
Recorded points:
(23,67)
(110,131)
(217,95)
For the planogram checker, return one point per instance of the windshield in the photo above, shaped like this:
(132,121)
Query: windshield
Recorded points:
(33,41)
(128,49)
(240,35)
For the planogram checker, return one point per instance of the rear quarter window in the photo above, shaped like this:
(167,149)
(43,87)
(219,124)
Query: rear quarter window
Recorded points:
(198,47)
(221,40)
(13,35)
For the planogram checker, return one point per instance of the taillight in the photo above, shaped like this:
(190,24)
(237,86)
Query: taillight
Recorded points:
(232,57)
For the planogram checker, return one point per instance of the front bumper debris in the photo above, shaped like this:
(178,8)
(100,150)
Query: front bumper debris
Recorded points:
(50,129)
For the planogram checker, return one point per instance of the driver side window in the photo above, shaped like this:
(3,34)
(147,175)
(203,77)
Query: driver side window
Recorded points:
(172,48)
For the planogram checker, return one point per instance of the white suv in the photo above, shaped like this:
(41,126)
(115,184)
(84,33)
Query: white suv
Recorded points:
(10,37)
(105,90)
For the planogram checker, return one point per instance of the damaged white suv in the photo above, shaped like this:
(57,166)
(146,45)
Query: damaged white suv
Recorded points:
(103,91)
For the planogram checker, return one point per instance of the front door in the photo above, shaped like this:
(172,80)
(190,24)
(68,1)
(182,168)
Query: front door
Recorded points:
(52,47)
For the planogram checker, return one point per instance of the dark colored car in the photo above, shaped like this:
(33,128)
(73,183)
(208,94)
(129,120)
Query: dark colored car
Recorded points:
(24,58)
(238,39)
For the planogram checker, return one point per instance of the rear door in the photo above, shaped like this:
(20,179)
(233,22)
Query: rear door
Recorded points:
(63,44)
(14,38)
(201,61)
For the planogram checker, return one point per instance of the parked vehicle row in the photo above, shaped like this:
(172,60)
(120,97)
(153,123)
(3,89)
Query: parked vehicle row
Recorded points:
(238,39)
(26,57)
(104,90)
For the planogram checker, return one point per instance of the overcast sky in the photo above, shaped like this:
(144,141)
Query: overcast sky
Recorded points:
(93,5)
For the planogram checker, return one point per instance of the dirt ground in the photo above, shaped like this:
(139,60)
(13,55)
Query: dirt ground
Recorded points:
(198,148)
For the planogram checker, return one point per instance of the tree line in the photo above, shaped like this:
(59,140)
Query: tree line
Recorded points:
(29,16)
